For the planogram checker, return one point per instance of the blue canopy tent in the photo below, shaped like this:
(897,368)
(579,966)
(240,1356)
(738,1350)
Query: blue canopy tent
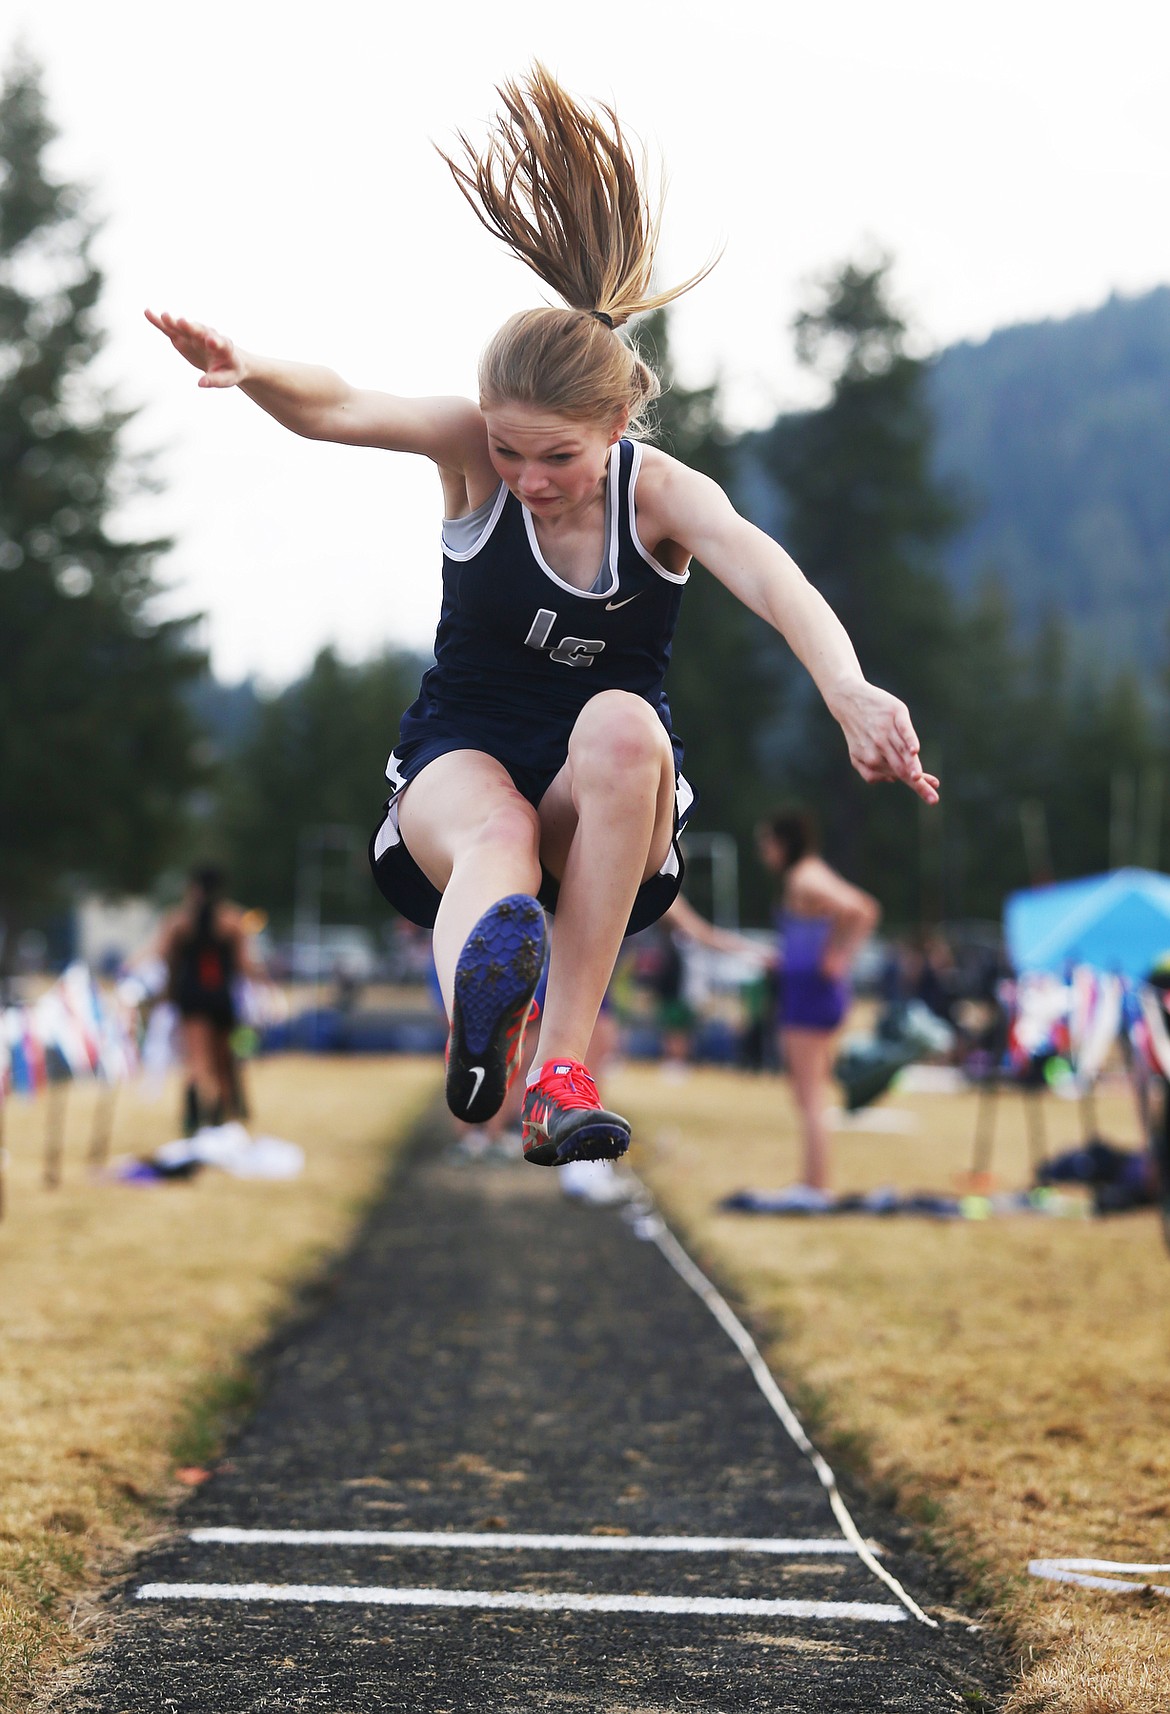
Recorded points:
(1118,922)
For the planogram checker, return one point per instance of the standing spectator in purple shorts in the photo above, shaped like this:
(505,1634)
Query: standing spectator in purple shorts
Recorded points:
(823,921)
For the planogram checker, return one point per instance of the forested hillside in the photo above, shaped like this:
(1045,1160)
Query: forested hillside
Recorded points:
(994,528)
(1058,434)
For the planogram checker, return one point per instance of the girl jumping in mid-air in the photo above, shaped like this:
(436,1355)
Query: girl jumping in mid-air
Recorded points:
(538,766)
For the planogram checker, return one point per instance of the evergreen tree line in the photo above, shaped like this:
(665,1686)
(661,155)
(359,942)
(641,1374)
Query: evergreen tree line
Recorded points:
(121,761)
(1050,767)
(98,748)
(1058,431)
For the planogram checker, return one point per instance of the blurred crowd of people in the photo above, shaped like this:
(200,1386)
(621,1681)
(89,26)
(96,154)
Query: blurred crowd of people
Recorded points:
(684,990)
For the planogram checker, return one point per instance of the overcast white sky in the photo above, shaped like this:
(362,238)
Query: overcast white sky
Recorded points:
(271,171)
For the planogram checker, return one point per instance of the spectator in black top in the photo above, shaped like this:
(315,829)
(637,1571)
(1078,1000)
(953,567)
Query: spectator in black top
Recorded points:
(205,949)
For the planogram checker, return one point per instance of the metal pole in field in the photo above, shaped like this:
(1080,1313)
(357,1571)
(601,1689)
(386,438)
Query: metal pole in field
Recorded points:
(55,1133)
(1037,1134)
(984,1127)
(103,1125)
(312,845)
(722,853)
(1159,1135)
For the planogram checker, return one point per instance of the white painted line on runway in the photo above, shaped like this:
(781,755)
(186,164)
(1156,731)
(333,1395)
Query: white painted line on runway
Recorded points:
(478,1540)
(651,1225)
(311,1594)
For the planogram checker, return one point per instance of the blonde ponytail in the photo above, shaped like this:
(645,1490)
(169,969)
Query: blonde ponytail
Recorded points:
(559,184)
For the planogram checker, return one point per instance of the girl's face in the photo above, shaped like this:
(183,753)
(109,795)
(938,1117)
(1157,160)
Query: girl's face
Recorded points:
(772,852)
(552,464)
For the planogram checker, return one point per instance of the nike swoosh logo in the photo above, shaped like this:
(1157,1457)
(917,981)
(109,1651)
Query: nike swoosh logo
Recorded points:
(612,606)
(478,1072)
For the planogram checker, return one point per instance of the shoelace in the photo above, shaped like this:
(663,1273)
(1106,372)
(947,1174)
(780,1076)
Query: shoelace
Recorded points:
(572,1088)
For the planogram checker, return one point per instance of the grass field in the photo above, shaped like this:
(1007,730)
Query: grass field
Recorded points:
(1005,1380)
(125,1312)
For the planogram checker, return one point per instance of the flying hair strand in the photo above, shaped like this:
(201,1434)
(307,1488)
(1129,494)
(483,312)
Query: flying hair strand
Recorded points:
(560,185)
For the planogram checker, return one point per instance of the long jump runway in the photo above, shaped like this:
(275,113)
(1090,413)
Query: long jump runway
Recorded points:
(516,1463)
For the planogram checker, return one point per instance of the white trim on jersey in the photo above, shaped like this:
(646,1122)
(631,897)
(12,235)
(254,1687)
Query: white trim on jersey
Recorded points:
(670,576)
(611,555)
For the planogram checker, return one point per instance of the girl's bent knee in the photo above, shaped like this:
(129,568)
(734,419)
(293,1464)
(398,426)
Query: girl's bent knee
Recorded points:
(512,825)
(617,731)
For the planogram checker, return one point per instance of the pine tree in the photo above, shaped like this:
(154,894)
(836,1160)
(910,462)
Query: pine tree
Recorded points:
(314,759)
(96,746)
(719,685)
(864,518)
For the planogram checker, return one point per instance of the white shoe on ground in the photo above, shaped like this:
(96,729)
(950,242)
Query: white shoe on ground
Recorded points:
(593,1181)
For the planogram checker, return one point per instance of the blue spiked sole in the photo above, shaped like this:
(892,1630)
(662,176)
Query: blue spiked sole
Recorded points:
(495,980)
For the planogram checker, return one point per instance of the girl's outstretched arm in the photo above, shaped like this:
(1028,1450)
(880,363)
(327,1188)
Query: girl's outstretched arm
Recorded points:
(683,916)
(695,512)
(318,404)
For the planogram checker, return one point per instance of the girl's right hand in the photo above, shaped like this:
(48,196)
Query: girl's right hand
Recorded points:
(836,963)
(221,362)
(883,744)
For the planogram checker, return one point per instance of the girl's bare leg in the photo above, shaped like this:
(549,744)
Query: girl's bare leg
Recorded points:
(222,1050)
(199,1055)
(607,821)
(475,838)
(808,1055)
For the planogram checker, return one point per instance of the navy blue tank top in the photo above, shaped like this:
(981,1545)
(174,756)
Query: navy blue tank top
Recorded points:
(519,652)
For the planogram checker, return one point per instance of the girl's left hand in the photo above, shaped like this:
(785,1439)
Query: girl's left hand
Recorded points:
(883,744)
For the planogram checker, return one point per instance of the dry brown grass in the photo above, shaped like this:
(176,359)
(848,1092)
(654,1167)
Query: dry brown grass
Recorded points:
(125,1313)
(1006,1380)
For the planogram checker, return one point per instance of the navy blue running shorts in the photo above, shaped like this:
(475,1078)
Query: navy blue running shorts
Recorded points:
(403,884)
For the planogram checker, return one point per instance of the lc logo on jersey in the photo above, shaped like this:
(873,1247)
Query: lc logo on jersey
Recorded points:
(570,651)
